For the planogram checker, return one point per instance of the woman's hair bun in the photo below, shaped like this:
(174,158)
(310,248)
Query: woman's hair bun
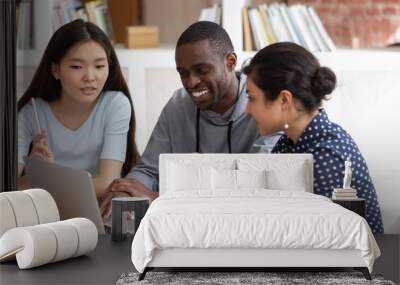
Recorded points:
(323,82)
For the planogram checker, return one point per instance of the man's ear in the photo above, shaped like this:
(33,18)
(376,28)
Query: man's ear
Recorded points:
(286,99)
(55,70)
(231,61)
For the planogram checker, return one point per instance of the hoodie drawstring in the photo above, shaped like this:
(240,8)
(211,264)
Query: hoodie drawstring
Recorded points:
(198,133)
(229,136)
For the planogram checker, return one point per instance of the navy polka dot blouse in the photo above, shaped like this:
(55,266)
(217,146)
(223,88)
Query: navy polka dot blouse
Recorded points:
(330,146)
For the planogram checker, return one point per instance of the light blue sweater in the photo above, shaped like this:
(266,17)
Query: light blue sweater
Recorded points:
(102,136)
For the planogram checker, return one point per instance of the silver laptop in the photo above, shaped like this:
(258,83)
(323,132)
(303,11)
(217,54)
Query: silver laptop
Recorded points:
(72,189)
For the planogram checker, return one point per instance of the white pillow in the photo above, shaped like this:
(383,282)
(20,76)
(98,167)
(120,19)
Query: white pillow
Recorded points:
(237,179)
(182,177)
(293,181)
(223,179)
(193,174)
(281,173)
(251,178)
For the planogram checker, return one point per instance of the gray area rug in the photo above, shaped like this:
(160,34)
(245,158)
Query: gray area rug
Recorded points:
(270,278)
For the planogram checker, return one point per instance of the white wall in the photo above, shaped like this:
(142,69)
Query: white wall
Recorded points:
(23,78)
(158,92)
(367,104)
(173,16)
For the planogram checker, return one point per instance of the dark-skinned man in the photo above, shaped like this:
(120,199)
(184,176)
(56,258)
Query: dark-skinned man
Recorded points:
(207,115)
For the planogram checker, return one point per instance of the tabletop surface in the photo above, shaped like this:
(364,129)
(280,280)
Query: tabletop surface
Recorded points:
(104,265)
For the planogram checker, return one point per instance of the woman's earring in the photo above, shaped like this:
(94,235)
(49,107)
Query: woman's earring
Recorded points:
(286,126)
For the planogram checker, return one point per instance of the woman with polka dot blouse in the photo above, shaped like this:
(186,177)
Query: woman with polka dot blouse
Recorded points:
(286,86)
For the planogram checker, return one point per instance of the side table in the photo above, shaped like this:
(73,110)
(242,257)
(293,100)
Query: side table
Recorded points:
(357,205)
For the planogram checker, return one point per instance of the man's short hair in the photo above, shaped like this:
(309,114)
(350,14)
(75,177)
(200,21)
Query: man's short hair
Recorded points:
(204,30)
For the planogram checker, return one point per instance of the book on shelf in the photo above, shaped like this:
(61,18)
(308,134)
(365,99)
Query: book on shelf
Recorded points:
(301,21)
(322,32)
(341,190)
(96,11)
(266,22)
(231,15)
(247,36)
(345,198)
(344,194)
(335,197)
(212,14)
(258,33)
(289,23)
(24,25)
(314,33)
(279,22)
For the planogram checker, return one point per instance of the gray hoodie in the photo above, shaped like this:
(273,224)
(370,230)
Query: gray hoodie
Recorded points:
(175,132)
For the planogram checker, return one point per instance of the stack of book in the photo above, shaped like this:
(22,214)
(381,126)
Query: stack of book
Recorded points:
(268,24)
(344,194)
(96,11)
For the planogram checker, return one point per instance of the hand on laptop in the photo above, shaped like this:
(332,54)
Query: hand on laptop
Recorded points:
(41,148)
(133,187)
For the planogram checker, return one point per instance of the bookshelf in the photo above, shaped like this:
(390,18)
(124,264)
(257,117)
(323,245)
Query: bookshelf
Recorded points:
(127,12)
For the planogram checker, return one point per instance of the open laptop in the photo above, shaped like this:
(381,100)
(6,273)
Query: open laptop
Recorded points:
(72,189)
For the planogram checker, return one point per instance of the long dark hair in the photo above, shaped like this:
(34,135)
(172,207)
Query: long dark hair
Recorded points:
(45,86)
(288,66)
